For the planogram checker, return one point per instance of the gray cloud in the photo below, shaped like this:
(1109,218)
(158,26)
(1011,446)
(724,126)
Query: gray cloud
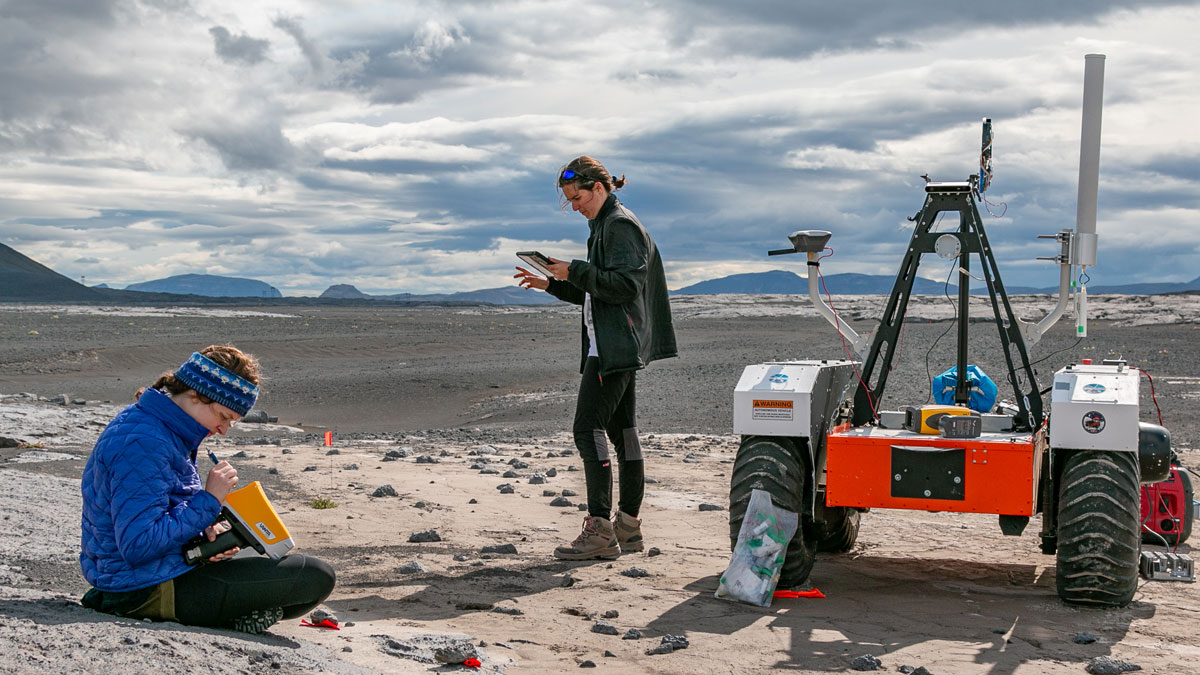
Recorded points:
(238,49)
(414,151)
(802,28)
(246,145)
(291,26)
(58,12)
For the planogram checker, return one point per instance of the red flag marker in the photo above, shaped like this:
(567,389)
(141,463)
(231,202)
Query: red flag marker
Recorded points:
(472,663)
(324,623)
(814,593)
(328,438)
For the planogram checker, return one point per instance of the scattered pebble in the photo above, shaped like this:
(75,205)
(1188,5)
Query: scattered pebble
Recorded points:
(605,628)
(711,507)
(650,481)
(511,474)
(473,501)
(611,614)
(560,501)
(350,467)
(310,468)
(424,537)
(669,644)
(384,491)
(1107,665)
(551,473)
(587,664)
(461,557)
(632,634)
(413,567)
(499,548)
(582,507)
(427,459)
(455,653)
(608,653)
(507,610)
(654,550)
(569,493)
(507,489)
(537,479)
(548,493)
(635,572)
(1085,638)
(866,662)
(333,451)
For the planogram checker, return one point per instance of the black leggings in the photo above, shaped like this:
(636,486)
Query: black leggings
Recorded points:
(606,409)
(216,594)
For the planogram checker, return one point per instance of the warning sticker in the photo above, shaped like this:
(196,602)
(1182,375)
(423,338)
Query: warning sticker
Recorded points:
(772,410)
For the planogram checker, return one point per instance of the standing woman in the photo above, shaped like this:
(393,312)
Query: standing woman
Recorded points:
(626,325)
(143,501)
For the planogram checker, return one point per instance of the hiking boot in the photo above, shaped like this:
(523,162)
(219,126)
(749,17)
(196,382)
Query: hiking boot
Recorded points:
(629,532)
(596,541)
(258,621)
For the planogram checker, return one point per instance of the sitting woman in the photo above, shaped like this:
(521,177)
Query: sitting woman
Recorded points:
(143,501)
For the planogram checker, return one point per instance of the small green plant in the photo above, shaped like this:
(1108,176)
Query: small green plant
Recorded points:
(322,503)
(34,444)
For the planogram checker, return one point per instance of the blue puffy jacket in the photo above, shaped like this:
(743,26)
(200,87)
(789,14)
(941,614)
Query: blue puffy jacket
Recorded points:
(142,497)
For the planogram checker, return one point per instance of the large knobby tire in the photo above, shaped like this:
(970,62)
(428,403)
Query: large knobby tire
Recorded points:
(1098,529)
(836,527)
(773,464)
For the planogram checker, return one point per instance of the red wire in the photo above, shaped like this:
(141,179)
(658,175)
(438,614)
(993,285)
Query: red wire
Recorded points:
(1153,396)
(838,326)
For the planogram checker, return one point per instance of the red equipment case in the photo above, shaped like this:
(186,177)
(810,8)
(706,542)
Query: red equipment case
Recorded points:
(1167,509)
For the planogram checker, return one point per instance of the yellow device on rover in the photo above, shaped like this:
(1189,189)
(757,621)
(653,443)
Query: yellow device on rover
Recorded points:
(924,419)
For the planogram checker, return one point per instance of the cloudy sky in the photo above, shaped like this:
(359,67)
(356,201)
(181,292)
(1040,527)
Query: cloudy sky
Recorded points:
(412,146)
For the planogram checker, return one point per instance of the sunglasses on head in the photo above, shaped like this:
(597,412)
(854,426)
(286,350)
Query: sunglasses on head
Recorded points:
(569,174)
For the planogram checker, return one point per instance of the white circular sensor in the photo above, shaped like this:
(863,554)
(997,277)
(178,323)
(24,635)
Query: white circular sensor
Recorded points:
(947,246)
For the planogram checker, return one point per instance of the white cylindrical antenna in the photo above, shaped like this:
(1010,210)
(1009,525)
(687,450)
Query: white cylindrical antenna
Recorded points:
(1089,161)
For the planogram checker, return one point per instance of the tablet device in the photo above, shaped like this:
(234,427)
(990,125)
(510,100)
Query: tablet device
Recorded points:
(537,261)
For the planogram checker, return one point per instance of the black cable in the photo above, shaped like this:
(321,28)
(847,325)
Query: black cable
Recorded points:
(1067,348)
(953,322)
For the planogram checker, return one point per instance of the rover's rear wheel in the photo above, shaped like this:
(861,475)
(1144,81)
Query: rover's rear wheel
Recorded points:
(836,526)
(1098,518)
(773,464)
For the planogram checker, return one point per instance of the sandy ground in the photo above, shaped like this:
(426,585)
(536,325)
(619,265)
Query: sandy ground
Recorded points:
(457,394)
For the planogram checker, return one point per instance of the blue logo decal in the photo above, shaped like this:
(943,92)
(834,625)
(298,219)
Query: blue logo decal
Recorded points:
(1094,388)
(778,378)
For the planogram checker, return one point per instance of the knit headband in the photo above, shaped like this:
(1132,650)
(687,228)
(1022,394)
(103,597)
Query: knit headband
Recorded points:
(212,380)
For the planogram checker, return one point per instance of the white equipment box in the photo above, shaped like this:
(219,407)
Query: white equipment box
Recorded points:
(789,398)
(1095,407)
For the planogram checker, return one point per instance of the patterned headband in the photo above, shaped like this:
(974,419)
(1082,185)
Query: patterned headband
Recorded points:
(208,378)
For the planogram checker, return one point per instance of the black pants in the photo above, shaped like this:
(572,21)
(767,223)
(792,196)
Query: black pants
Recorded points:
(606,411)
(216,594)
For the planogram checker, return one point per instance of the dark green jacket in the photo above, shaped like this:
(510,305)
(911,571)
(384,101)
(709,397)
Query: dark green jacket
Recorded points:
(624,275)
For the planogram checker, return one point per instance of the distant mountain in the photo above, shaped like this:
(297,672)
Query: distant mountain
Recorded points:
(1148,289)
(343,292)
(208,285)
(22,278)
(785,282)
(506,295)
